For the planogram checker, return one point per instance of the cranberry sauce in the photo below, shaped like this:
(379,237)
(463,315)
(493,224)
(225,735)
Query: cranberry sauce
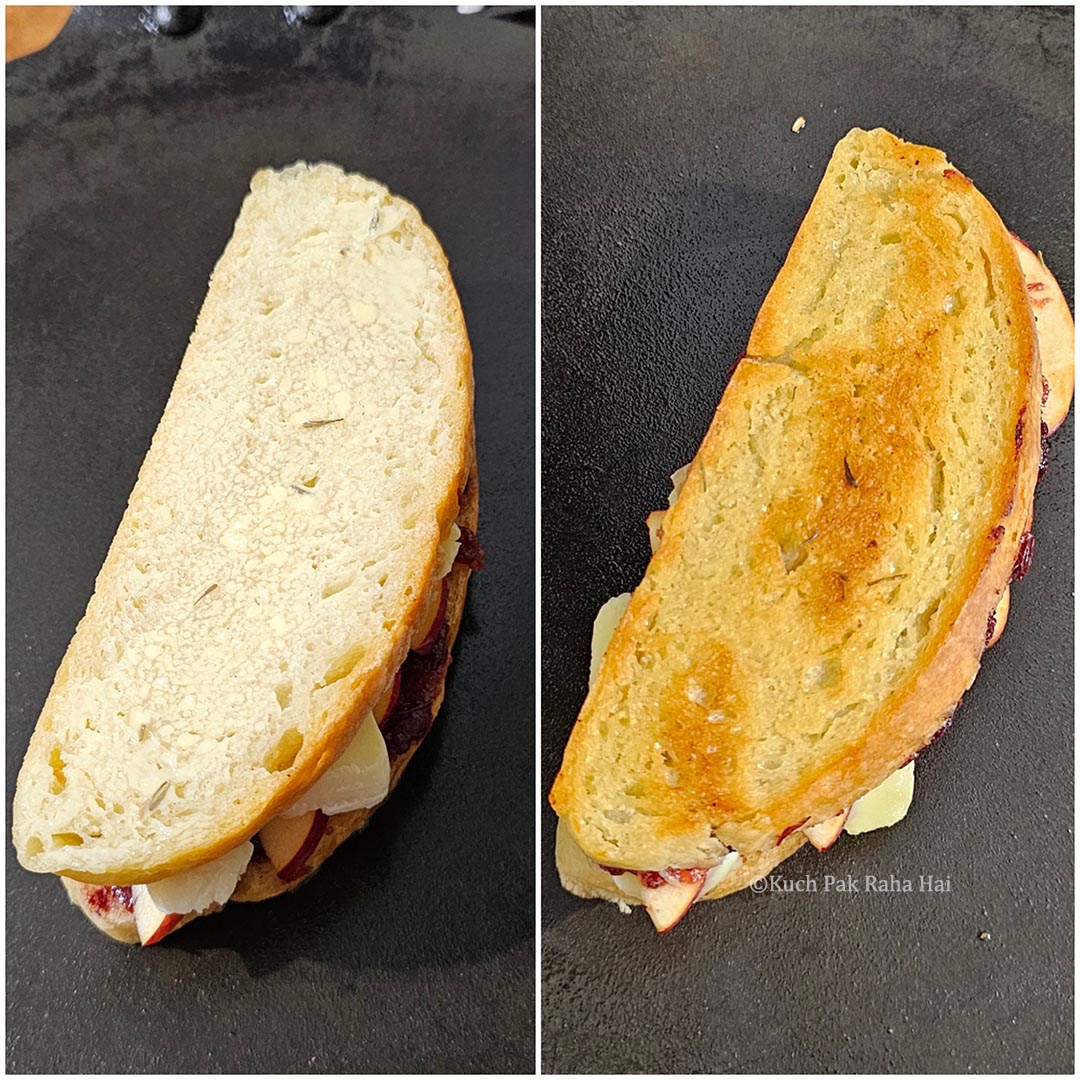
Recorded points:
(424,672)
(105,899)
(422,676)
(653,879)
(470,554)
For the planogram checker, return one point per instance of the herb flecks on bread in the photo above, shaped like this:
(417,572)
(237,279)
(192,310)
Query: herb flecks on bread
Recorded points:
(267,578)
(818,600)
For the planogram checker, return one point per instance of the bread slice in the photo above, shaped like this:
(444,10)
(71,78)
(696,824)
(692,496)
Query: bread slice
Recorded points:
(818,601)
(268,575)
(105,906)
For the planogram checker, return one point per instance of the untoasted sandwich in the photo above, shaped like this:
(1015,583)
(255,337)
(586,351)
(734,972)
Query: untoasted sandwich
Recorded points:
(837,555)
(269,636)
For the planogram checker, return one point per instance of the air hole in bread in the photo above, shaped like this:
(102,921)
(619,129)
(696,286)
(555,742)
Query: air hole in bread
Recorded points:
(341,666)
(825,673)
(332,588)
(34,846)
(283,693)
(988,270)
(267,304)
(283,754)
(926,617)
(890,238)
(66,839)
(274,354)
(56,763)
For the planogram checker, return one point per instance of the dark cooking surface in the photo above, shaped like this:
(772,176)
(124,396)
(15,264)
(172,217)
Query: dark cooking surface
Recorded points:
(673,186)
(128,159)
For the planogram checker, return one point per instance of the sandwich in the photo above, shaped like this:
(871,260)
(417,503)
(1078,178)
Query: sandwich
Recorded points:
(268,639)
(838,553)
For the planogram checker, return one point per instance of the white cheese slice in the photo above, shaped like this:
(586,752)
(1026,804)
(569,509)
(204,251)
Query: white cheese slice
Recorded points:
(360,778)
(885,805)
(628,883)
(730,862)
(448,550)
(607,618)
(678,478)
(202,886)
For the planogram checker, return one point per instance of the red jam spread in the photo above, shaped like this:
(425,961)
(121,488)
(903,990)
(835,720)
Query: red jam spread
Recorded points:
(105,899)
(653,879)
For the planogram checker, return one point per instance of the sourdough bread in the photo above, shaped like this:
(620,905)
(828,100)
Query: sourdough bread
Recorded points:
(260,881)
(818,601)
(267,577)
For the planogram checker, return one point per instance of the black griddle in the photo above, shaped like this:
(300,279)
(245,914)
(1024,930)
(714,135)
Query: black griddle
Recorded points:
(128,158)
(672,188)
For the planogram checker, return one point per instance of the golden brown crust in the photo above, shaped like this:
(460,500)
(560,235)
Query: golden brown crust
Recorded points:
(701,787)
(260,880)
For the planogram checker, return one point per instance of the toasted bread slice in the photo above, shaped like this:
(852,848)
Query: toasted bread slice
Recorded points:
(818,601)
(266,580)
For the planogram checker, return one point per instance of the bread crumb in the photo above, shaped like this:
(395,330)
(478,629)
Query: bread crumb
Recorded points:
(624,907)
(799,125)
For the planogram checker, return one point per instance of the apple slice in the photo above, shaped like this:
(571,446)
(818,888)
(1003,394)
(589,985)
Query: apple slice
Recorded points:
(1057,335)
(430,622)
(290,841)
(668,903)
(359,779)
(386,703)
(824,834)
(1000,616)
(151,922)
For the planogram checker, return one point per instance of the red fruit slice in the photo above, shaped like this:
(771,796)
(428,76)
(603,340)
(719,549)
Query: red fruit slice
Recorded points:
(289,842)
(1057,335)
